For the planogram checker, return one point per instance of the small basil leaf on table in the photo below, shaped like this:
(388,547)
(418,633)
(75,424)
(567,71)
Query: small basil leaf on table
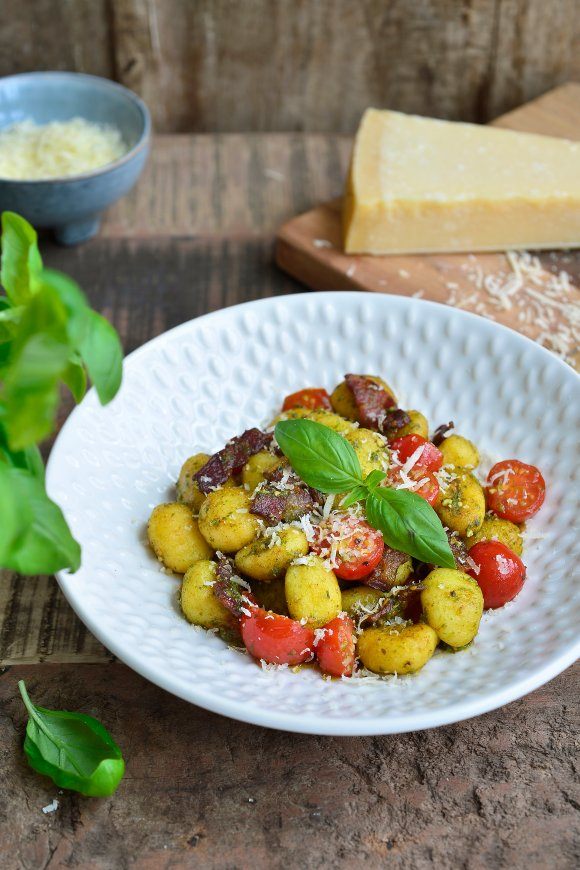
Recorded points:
(73,749)
(321,457)
(409,524)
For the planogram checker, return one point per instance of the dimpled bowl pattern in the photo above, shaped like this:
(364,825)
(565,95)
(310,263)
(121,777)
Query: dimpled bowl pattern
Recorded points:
(194,387)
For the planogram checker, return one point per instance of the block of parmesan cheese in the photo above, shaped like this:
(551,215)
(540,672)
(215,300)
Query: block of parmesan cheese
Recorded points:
(419,185)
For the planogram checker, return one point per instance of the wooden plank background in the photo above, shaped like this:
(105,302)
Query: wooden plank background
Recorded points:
(305,65)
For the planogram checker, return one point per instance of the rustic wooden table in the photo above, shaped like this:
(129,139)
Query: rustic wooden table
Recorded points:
(200,790)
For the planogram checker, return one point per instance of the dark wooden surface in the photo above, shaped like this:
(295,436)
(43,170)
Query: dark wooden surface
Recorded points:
(200,790)
(312,65)
(203,792)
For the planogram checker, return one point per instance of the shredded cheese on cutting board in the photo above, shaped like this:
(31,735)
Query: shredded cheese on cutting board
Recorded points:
(56,150)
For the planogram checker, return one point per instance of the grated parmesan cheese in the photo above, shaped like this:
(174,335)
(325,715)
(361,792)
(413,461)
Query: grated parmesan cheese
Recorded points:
(57,150)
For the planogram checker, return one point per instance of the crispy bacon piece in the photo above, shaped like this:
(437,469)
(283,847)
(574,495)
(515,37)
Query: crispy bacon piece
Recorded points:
(234,597)
(283,497)
(392,421)
(371,399)
(441,431)
(384,577)
(395,605)
(231,459)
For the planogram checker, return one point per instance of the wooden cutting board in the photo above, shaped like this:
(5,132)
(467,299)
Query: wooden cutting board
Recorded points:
(538,296)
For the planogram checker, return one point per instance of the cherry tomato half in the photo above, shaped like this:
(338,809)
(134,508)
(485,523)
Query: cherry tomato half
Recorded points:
(515,491)
(501,573)
(311,398)
(335,649)
(277,639)
(359,546)
(431,458)
(429,489)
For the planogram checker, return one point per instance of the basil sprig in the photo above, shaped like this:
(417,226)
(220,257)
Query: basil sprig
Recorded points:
(73,749)
(49,336)
(327,462)
(321,457)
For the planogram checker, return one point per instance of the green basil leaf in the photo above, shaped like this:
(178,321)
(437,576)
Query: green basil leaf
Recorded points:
(321,457)
(74,302)
(21,263)
(375,477)
(30,395)
(28,459)
(357,494)
(34,537)
(9,320)
(75,377)
(91,335)
(103,356)
(38,357)
(409,524)
(73,749)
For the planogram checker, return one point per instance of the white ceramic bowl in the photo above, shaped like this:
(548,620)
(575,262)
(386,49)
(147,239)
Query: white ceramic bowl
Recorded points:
(197,385)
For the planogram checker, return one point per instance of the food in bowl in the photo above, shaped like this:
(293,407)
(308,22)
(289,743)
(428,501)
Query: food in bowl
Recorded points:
(344,535)
(59,149)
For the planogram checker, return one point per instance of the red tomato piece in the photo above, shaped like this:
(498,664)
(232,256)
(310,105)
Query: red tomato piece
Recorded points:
(429,489)
(515,491)
(312,398)
(430,458)
(335,646)
(501,573)
(276,639)
(359,546)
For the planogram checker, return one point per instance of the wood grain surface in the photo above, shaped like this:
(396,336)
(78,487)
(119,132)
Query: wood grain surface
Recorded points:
(309,247)
(313,65)
(499,792)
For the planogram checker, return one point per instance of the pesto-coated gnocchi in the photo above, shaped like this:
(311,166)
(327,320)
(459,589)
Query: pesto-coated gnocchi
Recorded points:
(452,605)
(188,491)
(356,600)
(268,558)
(198,603)
(312,592)
(461,505)
(255,469)
(417,425)
(397,649)
(225,520)
(459,452)
(495,529)
(175,537)
(371,449)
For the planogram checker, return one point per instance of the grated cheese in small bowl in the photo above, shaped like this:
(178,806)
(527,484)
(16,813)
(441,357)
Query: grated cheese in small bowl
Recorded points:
(59,149)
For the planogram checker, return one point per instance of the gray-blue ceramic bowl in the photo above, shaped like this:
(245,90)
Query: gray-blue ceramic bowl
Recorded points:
(72,205)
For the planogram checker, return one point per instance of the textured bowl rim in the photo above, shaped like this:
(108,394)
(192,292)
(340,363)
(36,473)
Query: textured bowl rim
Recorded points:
(313,723)
(140,145)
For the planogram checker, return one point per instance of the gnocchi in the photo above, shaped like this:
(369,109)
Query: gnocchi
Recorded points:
(275,554)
